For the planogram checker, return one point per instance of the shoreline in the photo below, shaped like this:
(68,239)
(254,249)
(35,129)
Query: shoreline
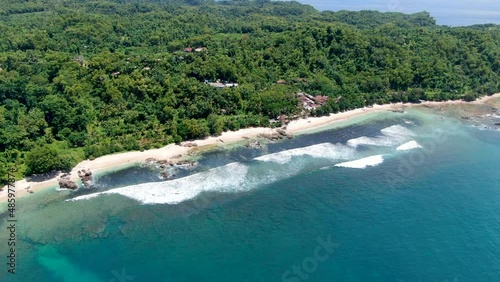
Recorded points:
(175,152)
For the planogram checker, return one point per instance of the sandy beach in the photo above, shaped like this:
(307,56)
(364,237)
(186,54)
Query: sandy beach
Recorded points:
(173,151)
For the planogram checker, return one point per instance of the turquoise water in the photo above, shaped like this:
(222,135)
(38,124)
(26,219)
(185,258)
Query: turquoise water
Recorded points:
(299,210)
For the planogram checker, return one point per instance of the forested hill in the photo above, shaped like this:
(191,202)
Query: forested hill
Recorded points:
(80,79)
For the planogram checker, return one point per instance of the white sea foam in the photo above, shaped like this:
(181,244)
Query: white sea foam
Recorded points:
(408,146)
(228,178)
(235,177)
(323,150)
(397,130)
(63,189)
(363,163)
(381,141)
(391,136)
(85,197)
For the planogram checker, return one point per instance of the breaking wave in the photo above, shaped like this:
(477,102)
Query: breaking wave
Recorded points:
(238,177)
(323,150)
(397,130)
(363,163)
(391,136)
(228,178)
(382,141)
(408,146)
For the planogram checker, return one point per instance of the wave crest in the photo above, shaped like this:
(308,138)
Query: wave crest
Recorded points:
(227,178)
(408,146)
(391,136)
(323,150)
(363,163)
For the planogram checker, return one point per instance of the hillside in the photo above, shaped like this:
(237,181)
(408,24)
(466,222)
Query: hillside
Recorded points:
(80,79)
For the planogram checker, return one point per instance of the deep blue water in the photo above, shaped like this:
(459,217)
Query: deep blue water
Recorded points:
(425,214)
(446,12)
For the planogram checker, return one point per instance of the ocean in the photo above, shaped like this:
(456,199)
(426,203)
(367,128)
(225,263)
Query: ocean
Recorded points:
(446,12)
(388,196)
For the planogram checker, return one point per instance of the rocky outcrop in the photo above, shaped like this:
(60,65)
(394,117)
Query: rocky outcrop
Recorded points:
(278,134)
(189,144)
(165,163)
(65,182)
(166,175)
(170,168)
(401,110)
(270,136)
(254,144)
(186,163)
(86,177)
(284,133)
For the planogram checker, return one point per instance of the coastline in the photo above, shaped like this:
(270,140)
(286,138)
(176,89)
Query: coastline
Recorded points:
(174,151)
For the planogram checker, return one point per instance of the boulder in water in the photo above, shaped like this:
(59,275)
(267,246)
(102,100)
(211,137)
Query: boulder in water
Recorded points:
(68,184)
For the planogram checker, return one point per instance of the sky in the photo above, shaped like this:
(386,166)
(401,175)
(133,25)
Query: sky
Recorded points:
(446,12)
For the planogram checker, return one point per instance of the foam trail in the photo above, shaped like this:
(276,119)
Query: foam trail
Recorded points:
(381,141)
(397,130)
(323,150)
(228,178)
(408,146)
(363,163)
(86,197)
(234,177)
(391,136)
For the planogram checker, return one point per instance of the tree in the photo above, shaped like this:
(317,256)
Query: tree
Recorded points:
(119,75)
(3,174)
(279,99)
(415,95)
(46,159)
(215,124)
(193,129)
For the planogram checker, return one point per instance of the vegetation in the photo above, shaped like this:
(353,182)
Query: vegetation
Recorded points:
(80,79)
(47,158)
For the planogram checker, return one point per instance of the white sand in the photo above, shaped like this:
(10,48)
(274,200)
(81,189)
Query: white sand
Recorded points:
(168,152)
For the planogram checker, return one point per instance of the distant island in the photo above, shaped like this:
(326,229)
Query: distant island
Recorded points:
(83,79)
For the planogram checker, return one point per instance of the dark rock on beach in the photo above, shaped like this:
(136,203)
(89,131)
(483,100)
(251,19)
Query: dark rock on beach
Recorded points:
(189,144)
(279,133)
(270,136)
(169,168)
(66,183)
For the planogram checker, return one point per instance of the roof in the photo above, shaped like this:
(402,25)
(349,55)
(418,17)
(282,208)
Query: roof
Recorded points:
(216,84)
(320,99)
